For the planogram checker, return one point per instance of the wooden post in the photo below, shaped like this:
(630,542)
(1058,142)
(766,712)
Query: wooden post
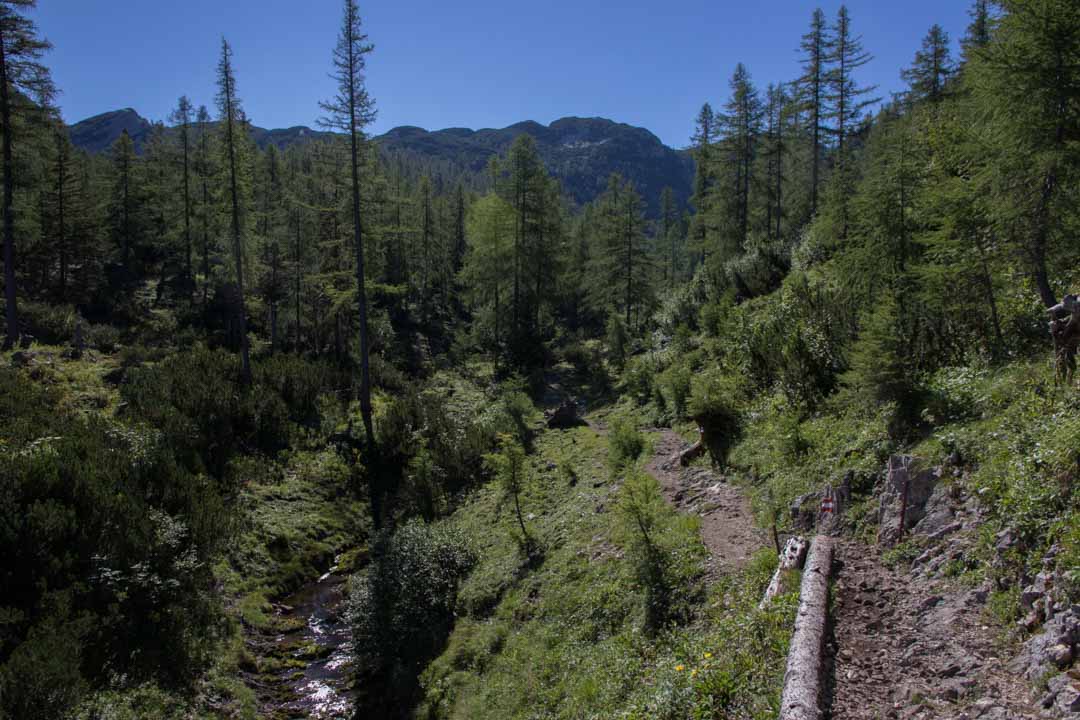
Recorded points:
(904,501)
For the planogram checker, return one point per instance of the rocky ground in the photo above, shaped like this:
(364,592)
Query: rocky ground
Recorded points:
(903,648)
(913,641)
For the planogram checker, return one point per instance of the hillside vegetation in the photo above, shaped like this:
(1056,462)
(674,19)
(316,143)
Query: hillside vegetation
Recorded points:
(232,375)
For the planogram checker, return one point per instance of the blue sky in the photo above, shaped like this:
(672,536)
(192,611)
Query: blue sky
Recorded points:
(471,63)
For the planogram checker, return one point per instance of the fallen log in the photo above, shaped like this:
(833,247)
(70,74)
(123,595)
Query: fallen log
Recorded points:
(802,679)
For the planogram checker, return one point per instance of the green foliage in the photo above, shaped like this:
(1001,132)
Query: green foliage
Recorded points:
(47,323)
(617,340)
(626,443)
(402,608)
(641,514)
(109,550)
(879,373)
(105,338)
(715,398)
(676,381)
(510,467)
(192,398)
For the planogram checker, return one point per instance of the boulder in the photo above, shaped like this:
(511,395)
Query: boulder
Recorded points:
(906,494)
(1051,650)
(565,416)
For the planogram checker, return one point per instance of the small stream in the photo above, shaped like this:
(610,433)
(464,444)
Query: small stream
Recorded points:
(323,641)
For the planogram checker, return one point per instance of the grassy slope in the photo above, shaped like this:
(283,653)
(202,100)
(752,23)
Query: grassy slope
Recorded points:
(1017,436)
(564,640)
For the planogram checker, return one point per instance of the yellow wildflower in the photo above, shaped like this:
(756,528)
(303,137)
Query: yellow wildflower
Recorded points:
(680,668)
(708,655)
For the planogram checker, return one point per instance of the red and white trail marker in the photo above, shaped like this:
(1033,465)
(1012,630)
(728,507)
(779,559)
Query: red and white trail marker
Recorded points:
(827,505)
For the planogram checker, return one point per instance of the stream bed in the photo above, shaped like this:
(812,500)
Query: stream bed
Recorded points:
(322,641)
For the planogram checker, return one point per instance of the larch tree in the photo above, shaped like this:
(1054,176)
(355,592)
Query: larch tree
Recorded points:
(204,172)
(490,227)
(812,86)
(669,219)
(978,30)
(776,105)
(1028,79)
(847,101)
(125,208)
(703,141)
(232,121)
(741,127)
(932,69)
(62,201)
(181,117)
(459,243)
(846,97)
(350,111)
(22,78)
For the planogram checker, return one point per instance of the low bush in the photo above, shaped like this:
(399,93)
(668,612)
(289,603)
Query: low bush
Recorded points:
(193,398)
(107,548)
(626,443)
(715,398)
(103,337)
(402,611)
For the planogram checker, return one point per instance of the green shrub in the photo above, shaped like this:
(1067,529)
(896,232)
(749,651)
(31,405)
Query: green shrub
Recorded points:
(402,609)
(639,378)
(714,403)
(103,337)
(641,511)
(626,443)
(301,382)
(49,324)
(107,554)
(617,340)
(522,413)
(207,417)
(676,381)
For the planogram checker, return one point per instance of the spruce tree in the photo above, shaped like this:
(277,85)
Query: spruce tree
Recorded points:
(350,111)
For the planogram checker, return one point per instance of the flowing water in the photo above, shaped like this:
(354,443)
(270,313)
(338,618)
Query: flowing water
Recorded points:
(323,641)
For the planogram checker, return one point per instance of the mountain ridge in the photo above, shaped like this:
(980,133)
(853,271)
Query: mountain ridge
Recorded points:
(581,151)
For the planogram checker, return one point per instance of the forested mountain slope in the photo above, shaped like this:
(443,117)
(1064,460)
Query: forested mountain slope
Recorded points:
(581,152)
(326,431)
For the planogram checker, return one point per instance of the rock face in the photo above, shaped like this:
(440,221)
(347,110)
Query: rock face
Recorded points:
(906,494)
(1051,650)
(97,134)
(581,152)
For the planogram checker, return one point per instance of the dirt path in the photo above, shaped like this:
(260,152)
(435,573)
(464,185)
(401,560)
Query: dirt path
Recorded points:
(907,648)
(727,524)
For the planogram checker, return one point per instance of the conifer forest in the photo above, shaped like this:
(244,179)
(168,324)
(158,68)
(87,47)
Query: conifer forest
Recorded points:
(781,424)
